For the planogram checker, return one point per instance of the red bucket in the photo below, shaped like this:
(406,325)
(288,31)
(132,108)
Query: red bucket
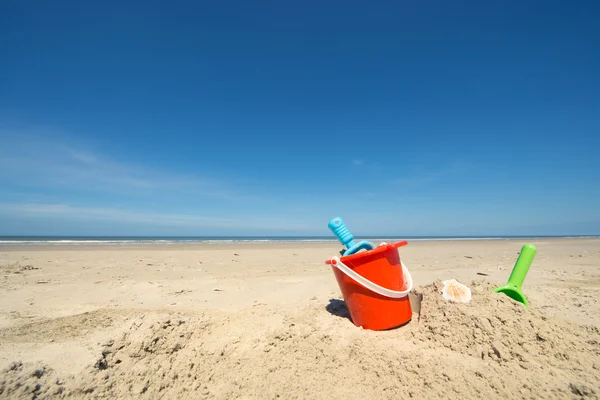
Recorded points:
(374,285)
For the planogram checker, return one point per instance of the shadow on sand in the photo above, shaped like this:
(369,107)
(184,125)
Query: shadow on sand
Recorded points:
(338,308)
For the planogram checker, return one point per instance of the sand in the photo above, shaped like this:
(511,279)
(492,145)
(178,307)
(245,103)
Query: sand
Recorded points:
(268,321)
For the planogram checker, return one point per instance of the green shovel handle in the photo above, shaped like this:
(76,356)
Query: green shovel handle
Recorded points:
(519,272)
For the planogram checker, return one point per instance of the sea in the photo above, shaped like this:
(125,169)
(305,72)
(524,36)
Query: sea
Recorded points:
(179,240)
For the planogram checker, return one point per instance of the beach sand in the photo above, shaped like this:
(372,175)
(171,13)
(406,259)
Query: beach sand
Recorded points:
(266,321)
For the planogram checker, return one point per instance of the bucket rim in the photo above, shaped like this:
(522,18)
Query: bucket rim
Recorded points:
(376,250)
(372,286)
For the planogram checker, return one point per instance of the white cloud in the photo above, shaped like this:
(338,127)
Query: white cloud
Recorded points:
(42,162)
(81,214)
(413,179)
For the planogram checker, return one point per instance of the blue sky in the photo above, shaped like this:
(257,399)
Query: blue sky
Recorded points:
(267,118)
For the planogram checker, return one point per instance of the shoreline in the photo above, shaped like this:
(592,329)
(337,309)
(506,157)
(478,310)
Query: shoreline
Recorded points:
(272,244)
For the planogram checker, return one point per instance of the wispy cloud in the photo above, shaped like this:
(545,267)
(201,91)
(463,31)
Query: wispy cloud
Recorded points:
(121,215)
(37,161)
(358,162)
(65,186)
(418,179)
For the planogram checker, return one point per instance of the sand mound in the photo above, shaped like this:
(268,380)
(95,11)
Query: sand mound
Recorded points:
(491,347)
(536,353)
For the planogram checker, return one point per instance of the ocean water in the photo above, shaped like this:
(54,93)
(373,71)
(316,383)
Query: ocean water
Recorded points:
(170,240)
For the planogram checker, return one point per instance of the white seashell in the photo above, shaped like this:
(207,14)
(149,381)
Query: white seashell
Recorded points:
(455,291)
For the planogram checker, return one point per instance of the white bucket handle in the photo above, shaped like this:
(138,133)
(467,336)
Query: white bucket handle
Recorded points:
(335,261)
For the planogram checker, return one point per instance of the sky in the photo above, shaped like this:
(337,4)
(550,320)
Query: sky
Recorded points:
(239,118)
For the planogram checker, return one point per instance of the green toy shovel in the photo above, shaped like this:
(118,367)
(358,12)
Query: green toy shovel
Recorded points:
(513,288)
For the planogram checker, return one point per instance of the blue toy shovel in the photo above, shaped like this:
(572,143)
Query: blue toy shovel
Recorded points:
(340,230)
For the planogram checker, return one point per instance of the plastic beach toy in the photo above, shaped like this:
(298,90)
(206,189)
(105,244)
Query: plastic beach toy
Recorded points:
(346,238)
(375,285)
(513,288)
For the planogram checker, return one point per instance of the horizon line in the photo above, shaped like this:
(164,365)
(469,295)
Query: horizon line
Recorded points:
(291,236)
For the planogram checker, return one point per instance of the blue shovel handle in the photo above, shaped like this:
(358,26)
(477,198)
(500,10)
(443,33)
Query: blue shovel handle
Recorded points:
(342,233)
